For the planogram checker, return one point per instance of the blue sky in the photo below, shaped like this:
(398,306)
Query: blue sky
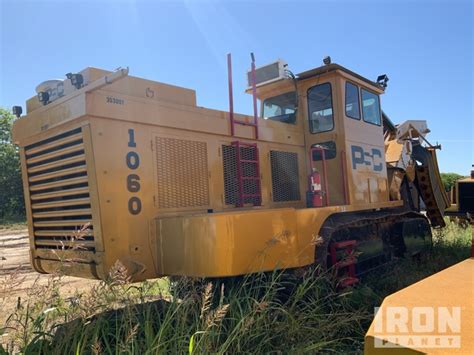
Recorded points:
(425,47)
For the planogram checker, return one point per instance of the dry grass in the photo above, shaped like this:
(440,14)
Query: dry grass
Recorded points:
(259,313)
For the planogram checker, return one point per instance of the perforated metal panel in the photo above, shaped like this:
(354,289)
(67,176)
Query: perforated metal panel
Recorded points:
(229,160)
(182,173)
(285,180)
(59,191)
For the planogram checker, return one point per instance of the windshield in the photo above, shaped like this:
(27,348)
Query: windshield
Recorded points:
(281,108)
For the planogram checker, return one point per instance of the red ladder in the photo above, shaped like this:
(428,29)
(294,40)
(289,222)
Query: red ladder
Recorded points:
(348,261)
(242,195)
(233,121)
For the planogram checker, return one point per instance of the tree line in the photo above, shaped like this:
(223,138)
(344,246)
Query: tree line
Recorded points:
(12,203)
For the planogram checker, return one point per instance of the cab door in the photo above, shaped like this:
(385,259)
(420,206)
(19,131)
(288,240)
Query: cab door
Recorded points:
(324,138)
(367,173)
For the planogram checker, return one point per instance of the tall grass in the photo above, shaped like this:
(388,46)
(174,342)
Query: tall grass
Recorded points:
(258,313)
(265,313)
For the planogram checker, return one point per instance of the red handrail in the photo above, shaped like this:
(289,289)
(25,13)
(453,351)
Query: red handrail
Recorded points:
(231,95)
(325,177)
(233,121)
(254,96)
(344,178)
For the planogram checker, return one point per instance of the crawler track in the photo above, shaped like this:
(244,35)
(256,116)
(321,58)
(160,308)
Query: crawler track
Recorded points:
(384,227)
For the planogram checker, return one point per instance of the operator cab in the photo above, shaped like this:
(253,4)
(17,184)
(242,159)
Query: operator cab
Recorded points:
(339,114)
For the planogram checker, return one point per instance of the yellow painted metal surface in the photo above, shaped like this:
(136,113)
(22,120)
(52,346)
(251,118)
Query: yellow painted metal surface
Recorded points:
(233,243)
(393,151)
(149,178)
(449,294)
(396,180)
(224,244)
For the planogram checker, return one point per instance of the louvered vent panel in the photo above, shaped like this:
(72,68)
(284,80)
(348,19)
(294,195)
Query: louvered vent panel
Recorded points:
(59,192)
(231,189)
(285,180)
(182,173)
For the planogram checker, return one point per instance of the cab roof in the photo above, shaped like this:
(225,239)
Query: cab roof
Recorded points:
(333,67)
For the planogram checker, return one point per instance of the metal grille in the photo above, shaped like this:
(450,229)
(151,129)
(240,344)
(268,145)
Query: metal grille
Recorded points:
(182,173)
(59,192)
(285,180)
(231,189)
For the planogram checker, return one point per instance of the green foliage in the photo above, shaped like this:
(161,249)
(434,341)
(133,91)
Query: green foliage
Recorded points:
(449,179)
(12,205)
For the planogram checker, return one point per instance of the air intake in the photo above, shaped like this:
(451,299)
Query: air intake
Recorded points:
(285,176)
(59,192)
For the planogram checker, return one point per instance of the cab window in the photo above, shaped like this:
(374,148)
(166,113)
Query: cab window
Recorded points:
(330,151)
(370,107)
(352,101)
(281,108)
(320,110)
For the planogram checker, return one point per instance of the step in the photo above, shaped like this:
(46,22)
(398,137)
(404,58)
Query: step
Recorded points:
(346,262)
(344,244)
(349,281)
(245,123)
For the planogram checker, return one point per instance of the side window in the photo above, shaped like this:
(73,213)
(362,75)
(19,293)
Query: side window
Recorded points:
(370,107)
(330,151)
(281,108)
(352,101)
(320,110)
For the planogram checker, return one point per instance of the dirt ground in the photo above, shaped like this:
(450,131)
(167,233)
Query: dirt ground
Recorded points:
(17,275)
